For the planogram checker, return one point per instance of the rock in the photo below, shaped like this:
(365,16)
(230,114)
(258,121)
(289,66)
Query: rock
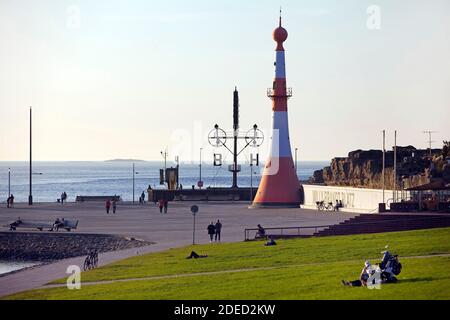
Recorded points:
(46,246)
(364,169)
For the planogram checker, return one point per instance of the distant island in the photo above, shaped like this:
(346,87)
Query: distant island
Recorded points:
(124,160)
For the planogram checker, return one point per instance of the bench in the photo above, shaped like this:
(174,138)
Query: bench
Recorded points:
(41,225)
(97,198)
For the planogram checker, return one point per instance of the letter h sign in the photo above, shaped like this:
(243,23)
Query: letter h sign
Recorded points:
(254,159)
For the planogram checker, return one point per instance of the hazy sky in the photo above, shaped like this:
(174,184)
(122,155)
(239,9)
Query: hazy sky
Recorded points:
(123,79)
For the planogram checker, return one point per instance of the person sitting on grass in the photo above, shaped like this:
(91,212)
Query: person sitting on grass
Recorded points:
(271,242)
(390,266)
(195,255)
(261,233)
(363,277)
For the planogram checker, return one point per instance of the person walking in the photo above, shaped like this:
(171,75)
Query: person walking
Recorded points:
(211,231)
(218,227)
(107,206)
(11,201)
(166,204)
(114,205)
(143,197)
(63,197)
(161,205)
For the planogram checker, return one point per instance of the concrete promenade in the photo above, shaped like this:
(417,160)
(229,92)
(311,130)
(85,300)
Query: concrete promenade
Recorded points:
(145,222)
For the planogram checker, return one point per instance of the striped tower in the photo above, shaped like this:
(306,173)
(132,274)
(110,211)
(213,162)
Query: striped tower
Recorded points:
(279,185)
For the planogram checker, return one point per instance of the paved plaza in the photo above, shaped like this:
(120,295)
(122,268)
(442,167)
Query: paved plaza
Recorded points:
(170,230)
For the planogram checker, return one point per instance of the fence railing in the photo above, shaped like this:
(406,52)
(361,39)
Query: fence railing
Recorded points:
(250,233)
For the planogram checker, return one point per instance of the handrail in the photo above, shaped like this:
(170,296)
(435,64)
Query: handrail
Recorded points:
(247,230)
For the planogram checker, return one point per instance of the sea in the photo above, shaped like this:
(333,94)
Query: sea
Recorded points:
(50,179)
(10,266)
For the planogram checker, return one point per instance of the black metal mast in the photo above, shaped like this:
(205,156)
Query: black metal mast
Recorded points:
(235,135)
(218,138)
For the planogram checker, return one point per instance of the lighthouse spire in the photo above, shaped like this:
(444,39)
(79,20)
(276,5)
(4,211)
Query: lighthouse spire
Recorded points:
(280,17)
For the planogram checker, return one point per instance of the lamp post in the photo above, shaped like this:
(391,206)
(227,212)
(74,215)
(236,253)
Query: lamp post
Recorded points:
(134,173)
(200,169)
(9,182)
(177,160)
(296,149)
(384,163)
(30,195)
(164,154)
(395,167)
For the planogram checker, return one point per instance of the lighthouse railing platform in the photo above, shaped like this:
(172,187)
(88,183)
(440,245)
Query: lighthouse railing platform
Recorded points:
(271,93)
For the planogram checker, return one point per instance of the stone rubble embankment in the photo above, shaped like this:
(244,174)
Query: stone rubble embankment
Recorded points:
(50,246)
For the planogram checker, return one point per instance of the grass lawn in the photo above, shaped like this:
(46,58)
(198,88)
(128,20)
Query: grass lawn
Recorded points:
(295,269)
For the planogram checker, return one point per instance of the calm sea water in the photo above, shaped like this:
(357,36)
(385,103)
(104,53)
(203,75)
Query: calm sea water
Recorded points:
(50,179)
(9,266)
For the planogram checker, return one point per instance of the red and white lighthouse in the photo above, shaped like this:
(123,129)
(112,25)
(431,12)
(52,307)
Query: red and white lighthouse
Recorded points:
(279,186)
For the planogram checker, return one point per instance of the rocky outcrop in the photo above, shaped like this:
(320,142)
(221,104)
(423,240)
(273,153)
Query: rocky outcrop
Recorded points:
(46,246)
(364,169)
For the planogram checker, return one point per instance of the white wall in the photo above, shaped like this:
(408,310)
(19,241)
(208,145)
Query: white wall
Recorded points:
(354,199)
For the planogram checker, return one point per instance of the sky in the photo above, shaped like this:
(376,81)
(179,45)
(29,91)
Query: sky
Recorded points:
(126,79)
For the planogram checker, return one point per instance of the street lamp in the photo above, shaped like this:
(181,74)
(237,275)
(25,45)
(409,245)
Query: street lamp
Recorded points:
(134,173)
(296,149)
(30,195)
(9,182)
(177,160)
(200,182)
(164,155)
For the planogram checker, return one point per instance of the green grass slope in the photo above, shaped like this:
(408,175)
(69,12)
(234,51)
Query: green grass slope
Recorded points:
(295,269)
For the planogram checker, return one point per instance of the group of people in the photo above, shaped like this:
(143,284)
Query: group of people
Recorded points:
(63,197)
(110,203)
(214,231)
(10,201)
(338,205)
(57,224)
(383,272)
